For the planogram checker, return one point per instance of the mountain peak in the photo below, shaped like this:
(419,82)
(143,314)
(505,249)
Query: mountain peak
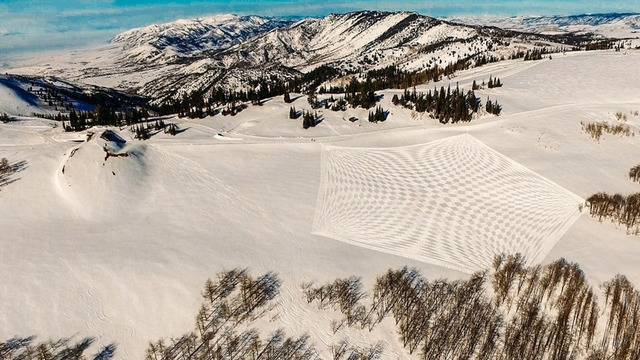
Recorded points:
(190,37)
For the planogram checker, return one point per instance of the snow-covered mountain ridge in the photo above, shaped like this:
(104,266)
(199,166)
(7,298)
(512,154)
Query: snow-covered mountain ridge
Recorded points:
(189,38)
(170,60)
(620,25)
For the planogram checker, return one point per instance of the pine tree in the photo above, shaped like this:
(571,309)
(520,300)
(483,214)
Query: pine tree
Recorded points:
(293,114)
(308,120)
(312,98)
(493,107)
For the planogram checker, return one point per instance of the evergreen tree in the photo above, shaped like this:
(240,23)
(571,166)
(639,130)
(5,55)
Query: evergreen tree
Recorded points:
(377,115)
(308,120)
(312,98)
(287,97)
(493,107)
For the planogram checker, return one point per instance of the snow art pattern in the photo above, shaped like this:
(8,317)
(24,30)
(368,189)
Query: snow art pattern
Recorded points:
(453,202)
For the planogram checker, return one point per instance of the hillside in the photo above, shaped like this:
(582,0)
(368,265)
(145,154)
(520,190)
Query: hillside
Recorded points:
(193,38)
(614,25)
(168,61)
(51,96)
(320,240)
(128,242)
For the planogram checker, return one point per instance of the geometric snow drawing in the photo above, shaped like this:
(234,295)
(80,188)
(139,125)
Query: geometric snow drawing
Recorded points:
(454,202)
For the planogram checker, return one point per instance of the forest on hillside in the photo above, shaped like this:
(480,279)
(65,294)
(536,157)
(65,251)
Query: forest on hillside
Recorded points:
(511,311)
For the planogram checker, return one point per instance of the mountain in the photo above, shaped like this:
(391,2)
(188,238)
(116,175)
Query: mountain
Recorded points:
(168,61)
(355,42)
(48,96)
(174,41)
(620,25)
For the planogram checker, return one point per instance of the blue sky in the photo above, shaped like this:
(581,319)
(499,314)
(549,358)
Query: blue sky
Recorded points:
(36,25)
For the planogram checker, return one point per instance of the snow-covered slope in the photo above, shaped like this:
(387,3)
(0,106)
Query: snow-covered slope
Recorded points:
(49,96)
(16,100)
(119,249)
(353,42)
(138,56)
(341,38)
(170,60)
(166,43)
(626,25)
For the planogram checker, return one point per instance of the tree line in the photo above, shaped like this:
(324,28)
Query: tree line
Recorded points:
(597,129)
(620,209)
(448,106)
(357,92)
(533,312)
(511,311)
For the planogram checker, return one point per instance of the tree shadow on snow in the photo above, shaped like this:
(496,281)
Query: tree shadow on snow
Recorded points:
(7,178)
(67,348)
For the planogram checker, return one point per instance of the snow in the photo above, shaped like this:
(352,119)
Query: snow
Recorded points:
(229,50)
(120,248)
(454,203)
(16,100)
(621,26)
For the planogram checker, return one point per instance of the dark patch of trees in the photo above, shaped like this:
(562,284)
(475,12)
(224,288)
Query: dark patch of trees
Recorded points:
(339,104)
(534,312)
(102,116)
(621,338)
(144,131)
(233,108)
(312,98)
(535,54)
(493,107)
(600,45)
(378,115)
(5,167)
(554,310)
(513,311)
(231,303)
(293,113)
(439,320)
(448,106)
(171,129)
(634,173)
(309,119)
(392,77)
(141,132)
(493,82)
(343,295)
(597,129)
(620,209)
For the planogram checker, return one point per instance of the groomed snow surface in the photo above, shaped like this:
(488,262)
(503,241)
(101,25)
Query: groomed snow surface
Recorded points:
(453,202)
(120,248)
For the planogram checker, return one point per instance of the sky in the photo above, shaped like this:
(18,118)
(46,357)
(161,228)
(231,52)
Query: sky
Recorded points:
(37,25)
